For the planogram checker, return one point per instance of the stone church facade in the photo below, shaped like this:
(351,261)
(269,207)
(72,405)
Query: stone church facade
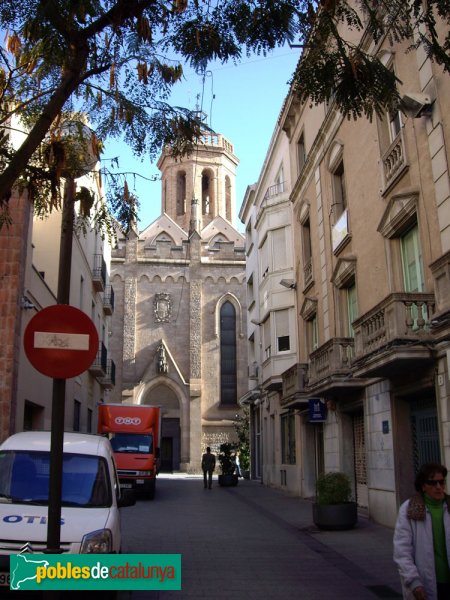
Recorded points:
(178,332)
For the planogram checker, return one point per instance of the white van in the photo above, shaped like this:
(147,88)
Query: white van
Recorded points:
(91,496)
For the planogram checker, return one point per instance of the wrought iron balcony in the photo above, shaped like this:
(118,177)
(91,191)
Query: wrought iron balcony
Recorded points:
(99,366)
(109,381)
(396,330)
(108,300)
(99,273)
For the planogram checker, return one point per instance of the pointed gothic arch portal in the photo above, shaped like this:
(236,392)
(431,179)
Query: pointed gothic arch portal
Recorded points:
(228,374)
(170,444)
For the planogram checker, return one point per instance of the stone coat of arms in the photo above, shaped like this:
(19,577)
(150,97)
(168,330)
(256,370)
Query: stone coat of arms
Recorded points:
(162,307)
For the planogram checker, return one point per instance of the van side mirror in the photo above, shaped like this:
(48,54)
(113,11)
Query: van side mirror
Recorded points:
(157,453)
(127,498)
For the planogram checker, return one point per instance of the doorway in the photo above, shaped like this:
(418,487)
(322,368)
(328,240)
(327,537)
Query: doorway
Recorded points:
(425,432)
(360,460)
(170,445)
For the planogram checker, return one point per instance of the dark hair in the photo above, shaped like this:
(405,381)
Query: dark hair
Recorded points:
(426,471)
(208,449)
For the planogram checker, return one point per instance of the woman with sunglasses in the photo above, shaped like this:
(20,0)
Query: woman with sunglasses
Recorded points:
(422,537)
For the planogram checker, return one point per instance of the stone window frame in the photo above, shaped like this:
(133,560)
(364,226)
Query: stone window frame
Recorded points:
(400,215)
(229,297)
(343,277)
(308,313)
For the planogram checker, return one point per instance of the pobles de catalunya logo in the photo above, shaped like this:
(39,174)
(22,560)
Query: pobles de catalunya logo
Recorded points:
(127,420)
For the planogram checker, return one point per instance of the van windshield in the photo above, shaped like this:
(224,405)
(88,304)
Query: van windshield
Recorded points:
(24,477)
(138,443)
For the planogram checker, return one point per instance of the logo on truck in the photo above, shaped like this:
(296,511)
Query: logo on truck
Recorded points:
(127,420)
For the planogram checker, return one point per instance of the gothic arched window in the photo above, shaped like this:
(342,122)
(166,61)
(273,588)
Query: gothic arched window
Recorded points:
(181,193)
(228,378)
(207,193)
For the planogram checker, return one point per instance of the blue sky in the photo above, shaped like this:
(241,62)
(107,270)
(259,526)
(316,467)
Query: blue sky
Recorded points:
(242,103)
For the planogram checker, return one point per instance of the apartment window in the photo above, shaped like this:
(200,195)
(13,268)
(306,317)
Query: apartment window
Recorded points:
(282,330)
(264,253)
(267,339)
(344,278)
(314,333)
(288,439)
(228,377)
(352,307)
(395,124)
(279,180)
(279,253)
(412,261)
(339,191)
(301,153)
(307,252)
(76,415)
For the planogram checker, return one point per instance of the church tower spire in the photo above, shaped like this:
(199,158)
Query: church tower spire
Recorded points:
(207,175)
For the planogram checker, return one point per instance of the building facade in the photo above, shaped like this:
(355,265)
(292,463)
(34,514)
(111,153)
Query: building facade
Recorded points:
(30,251)
(180,320)
(369,392)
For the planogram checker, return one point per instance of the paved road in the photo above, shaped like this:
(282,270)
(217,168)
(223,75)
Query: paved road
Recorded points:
(251,542)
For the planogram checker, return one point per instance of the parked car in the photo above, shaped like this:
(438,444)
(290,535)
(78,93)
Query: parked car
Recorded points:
(90,500)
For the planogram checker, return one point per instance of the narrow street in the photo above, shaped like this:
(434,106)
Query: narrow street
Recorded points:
(251,542)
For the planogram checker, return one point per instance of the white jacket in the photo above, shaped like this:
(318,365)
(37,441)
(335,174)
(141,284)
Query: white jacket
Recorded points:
(413,546)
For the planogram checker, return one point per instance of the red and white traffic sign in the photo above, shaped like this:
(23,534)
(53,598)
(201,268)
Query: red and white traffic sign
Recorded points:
(61,341)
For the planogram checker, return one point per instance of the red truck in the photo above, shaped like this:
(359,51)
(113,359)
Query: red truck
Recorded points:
(134,431)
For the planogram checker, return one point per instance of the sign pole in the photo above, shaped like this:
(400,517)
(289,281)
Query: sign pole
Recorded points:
(59,385)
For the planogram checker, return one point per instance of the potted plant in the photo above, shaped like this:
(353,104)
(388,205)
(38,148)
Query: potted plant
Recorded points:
(242,428)
(334,508)
(227,465)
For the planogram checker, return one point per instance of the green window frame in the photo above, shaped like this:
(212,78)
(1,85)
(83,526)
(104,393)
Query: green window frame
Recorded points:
(412,261)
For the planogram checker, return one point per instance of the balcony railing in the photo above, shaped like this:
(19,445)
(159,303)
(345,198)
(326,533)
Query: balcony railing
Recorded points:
(108,300)
(274,191)
(294,380)
(100,364)
(109,381)
(400,316)
(393,160)
(331,359)
(99,273)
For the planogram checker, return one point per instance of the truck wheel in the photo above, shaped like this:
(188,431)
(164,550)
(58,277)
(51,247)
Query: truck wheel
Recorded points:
(151,489)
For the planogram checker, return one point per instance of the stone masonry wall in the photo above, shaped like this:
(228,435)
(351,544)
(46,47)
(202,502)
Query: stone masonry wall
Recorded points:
(13,246)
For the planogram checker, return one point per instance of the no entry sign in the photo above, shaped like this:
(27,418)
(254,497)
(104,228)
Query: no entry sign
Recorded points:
(61,341)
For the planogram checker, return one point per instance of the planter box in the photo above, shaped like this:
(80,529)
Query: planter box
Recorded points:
(228,480)
(335,517)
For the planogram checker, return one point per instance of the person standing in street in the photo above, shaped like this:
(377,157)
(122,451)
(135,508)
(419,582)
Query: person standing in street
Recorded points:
(422,537)
(238,465)
(208,466)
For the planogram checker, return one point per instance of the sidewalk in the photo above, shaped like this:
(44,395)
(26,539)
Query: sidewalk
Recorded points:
(251,542)
(363,553)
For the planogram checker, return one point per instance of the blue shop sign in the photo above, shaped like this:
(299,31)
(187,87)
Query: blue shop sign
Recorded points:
(317,410)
